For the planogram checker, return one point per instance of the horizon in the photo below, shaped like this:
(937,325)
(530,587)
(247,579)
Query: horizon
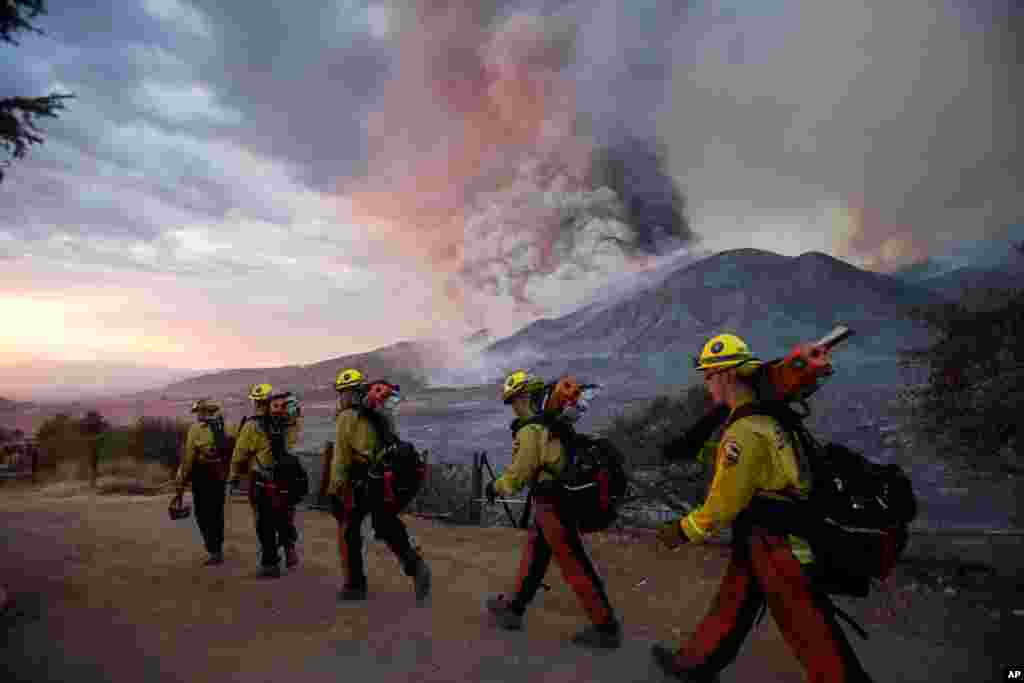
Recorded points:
(145,388)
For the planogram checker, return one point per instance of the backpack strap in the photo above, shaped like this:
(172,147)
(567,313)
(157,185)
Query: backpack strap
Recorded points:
(790,420)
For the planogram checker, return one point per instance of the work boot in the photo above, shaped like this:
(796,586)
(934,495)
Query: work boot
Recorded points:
(291,558)
(604,637)
(666,661)
(352,594)
(214,559)
(421,580)
(508,617)
(270,571)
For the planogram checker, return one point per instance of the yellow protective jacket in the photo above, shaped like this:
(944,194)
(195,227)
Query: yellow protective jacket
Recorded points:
(355,441)
(252,449)
(755,457)
(537,455)
(200,449)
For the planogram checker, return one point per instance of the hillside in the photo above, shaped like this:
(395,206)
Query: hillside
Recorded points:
(775,301)
(7,405)
(57,381)
(406,363)
(963,281)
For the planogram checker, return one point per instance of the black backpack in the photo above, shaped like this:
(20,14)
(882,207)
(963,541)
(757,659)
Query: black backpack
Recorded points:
(858,513)
(397,476)
(227,447)
(289,473)
(221,445)
(593,484)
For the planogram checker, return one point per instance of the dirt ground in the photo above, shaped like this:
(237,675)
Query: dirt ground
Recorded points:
(107,588)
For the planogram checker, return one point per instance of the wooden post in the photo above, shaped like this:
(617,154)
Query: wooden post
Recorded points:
(325,473)
(94,460)
(477,490)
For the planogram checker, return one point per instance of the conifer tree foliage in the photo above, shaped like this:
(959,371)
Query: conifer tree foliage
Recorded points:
(20,116)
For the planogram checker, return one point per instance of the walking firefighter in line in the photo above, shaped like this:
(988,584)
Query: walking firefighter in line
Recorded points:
(538,457)
(204,464)
(365,426)
(263,441)
(757,461)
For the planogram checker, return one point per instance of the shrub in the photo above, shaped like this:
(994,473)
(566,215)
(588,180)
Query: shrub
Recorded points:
(641,433)
(60,444)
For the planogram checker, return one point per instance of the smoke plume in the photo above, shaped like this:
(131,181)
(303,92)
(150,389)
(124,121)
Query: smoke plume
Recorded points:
(484,174)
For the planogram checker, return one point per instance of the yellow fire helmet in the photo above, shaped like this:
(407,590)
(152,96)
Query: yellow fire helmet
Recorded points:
(723,352)
(260,392)
(519,383)
(349,379)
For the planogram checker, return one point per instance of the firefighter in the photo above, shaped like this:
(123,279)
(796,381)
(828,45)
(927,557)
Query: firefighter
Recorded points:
(205,464)
(293,431)
(537,458)
(756,459)
(357,446)
(258,439)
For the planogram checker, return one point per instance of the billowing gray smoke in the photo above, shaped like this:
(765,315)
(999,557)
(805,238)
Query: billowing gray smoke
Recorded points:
(635,169)
(485,173)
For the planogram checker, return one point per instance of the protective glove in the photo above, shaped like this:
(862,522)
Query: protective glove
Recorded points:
(671,534)
(490,492)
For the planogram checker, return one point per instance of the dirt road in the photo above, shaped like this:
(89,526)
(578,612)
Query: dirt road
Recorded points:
(109,589)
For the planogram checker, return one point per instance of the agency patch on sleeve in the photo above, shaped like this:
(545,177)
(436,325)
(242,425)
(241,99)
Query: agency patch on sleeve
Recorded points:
(732,452)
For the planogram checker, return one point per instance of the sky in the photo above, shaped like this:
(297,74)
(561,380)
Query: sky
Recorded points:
(242,184)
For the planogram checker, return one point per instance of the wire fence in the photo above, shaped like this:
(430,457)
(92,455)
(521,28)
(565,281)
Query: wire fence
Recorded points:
(452,493)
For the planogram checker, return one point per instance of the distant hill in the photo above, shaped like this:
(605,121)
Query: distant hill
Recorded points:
(406,363)
(54,381)
(774,301)
(7,405)
(969,284)
(964,281)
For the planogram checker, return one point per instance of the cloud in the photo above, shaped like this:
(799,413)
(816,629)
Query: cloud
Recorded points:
(181,15)
(181,104)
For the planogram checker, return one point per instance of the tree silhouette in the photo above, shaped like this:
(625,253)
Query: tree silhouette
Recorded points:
(19,116)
